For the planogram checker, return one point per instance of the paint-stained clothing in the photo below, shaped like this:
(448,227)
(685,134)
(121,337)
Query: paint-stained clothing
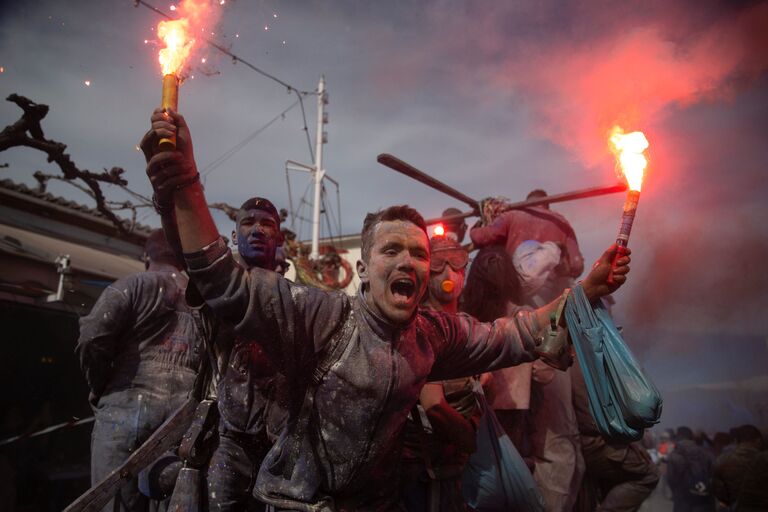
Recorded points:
(342,441)
(139,349)
(138,322)
(232,472)
(534,223)
(247,393)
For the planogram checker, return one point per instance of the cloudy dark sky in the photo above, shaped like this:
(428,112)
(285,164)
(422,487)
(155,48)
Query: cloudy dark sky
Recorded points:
(495,98)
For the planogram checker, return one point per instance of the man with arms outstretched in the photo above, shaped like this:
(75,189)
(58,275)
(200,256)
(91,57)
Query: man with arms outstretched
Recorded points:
(355,366)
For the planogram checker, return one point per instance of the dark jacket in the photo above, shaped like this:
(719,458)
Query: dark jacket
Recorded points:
(687,463)
(139,323)
(244,381)
(730,470)
(342,442)
(753,496)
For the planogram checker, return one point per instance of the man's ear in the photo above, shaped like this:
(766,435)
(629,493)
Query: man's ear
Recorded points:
(362,271)
(234,237)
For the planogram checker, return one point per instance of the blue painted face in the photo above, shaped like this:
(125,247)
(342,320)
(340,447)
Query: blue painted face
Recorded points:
(257,236)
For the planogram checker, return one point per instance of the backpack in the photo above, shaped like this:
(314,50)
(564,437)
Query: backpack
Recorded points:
(697,475)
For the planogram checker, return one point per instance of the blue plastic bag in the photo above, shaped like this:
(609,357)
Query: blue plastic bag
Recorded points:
(622,400)
(496,478)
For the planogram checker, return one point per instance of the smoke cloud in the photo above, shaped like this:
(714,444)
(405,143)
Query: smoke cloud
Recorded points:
(581,67)
(578,68)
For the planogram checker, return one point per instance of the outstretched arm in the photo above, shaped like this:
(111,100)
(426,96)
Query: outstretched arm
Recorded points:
(596,283)
(174,177)
(293,324)
(470,347)
(492,234)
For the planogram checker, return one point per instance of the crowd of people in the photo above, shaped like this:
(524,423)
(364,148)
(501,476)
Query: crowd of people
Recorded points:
(316,401)
(725,472)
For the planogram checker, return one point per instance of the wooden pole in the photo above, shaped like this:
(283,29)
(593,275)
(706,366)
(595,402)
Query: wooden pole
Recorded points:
(557,198)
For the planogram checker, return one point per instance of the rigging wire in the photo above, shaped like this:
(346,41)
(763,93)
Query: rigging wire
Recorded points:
(218,161)
(300,94)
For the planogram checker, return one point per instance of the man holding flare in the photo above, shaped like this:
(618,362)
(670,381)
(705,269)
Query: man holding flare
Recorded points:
(356,365)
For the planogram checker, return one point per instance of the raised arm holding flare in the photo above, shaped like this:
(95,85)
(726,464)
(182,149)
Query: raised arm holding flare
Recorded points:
(356,365)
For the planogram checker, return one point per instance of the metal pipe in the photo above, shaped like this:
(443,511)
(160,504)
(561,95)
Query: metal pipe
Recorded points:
(315,252)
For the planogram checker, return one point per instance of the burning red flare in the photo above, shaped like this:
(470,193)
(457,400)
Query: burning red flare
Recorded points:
(629,149)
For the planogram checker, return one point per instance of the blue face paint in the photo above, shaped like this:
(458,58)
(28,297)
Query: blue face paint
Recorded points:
(257,238)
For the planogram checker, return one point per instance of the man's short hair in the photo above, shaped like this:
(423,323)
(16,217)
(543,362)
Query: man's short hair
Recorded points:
(442,243)
(537,192)
(158,249)
(684,433)
(748,433)
(258,203)
(400,212)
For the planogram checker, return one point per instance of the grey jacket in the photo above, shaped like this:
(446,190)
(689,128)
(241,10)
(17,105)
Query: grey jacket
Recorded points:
(139,323)
(342,442)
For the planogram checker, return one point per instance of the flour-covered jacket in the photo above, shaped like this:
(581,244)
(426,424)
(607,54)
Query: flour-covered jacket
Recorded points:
(342,441)
(139,326)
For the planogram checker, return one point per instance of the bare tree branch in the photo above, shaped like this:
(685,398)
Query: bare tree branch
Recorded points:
(27,132)
(230,210)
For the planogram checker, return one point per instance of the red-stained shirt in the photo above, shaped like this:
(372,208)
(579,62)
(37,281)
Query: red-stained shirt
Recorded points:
(534,223)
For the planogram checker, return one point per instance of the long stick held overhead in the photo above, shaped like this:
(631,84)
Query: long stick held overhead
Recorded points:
(557,198)
(405,168)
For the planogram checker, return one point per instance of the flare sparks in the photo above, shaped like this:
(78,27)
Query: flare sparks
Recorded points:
(177,36)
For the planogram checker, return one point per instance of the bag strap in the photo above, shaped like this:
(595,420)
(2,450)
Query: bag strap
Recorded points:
(336,347)
(421,428)
(208,367)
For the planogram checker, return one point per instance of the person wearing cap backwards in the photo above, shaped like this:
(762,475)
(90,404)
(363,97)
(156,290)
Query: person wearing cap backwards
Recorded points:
(354,366)
(248,391)
(440,434)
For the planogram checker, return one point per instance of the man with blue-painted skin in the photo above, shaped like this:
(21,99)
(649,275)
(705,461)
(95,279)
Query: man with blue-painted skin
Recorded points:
(354,366)
(247,392)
